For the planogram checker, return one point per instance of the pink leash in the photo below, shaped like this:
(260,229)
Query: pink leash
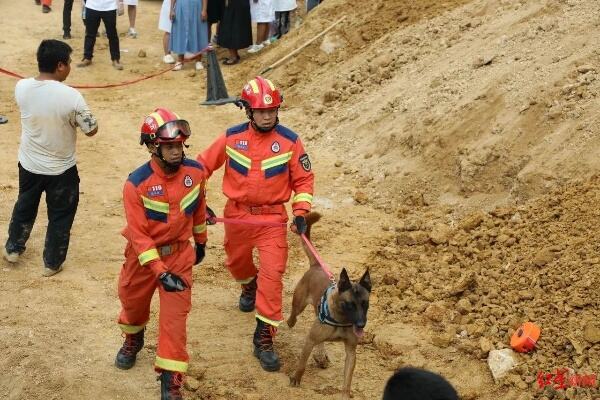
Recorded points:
(303,236)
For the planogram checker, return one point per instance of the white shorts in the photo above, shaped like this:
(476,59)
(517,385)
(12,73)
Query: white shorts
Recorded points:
(164,22)
(130,2)
(263,11)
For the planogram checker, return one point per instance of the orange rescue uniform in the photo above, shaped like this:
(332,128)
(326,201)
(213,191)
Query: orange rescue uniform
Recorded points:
(261,171)
(163,212)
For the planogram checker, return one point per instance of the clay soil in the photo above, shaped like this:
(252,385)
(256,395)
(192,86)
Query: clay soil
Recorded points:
(455,148)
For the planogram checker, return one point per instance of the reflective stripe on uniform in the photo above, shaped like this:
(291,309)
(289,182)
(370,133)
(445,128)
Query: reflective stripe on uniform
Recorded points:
(148,256)
(268,321)
(155,205)
(171,365)
(190,197)
(199,228)
(307,197)
(245,281)
(131,329)
(239,157)
(275,161)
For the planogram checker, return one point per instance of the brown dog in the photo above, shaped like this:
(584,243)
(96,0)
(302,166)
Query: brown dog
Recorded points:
(340,317)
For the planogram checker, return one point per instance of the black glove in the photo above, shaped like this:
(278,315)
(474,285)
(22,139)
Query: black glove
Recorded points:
(211,217)
(171,282)
(300,223)
(200,252)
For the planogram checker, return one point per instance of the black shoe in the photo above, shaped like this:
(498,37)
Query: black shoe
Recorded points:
(248,296)
(37,2)
(67,35)
(46,9)
(263,346)
(170,385)
(128,352)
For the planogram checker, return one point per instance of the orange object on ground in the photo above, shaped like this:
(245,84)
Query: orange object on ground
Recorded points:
(525,338)
(163,212)
(47,3)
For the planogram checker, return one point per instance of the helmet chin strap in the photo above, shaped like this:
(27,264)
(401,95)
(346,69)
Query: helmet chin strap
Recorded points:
(250,115)
(169,166)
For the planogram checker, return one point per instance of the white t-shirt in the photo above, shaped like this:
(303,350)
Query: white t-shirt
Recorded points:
(101,5)
(284,5)
(50,112)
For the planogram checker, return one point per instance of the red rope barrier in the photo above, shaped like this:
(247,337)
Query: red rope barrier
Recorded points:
(102,86)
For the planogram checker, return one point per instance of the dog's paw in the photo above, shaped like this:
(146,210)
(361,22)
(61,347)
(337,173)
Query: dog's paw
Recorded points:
(294,381)
(322,360)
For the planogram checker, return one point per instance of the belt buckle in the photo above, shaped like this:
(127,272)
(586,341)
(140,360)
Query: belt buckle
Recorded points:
(255,210)
(165,250)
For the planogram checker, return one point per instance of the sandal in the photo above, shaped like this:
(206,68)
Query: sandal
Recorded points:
(231,61)
(3,119)
(178,66)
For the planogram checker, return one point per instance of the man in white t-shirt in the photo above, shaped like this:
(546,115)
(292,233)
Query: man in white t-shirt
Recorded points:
(47,155)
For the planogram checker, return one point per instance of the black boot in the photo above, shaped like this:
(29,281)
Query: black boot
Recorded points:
(170,385)
(128,352)
(263,346)
(248,296)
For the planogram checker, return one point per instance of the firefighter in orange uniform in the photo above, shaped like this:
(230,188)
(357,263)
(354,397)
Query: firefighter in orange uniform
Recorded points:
(264,163)
(165,207)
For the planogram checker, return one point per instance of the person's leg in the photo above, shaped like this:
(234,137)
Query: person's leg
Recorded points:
(110,24)
(136,287)
(62,198)
(68,7)
(171,352)
(166,39)
(25,211)
(262,31)
(92,23)
(285,28)
(131,13)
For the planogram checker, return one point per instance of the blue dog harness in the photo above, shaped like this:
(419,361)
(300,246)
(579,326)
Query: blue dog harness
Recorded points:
(324,312)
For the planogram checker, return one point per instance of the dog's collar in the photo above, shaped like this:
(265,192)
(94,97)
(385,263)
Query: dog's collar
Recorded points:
(325,313)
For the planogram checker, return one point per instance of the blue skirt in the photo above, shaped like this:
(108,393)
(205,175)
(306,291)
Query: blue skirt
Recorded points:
(188,33)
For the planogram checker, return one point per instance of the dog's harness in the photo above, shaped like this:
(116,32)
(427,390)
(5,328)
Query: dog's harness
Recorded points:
(324,311)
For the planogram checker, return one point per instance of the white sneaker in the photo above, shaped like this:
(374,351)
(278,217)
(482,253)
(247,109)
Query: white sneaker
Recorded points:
(132,33)
(10,257)
(266,42)
(199,66)
(49,271)
(255,48)
(169,59)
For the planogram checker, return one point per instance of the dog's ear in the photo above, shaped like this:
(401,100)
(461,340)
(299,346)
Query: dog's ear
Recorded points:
(344,283)
(365,281)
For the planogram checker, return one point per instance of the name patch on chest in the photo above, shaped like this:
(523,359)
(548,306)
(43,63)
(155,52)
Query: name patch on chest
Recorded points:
(156,190)
(241,144)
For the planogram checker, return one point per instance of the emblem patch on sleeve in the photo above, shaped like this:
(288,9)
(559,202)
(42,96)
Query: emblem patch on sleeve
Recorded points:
(305,162)
(187,181)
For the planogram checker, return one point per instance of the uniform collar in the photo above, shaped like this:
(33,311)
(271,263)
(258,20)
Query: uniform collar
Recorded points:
(159,171)
(258,133)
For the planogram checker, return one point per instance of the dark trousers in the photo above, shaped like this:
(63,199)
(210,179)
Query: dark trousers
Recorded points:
(92,23)
(282,23)
(68,7)
(62,197)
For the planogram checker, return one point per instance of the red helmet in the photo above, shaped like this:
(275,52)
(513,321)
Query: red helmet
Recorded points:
(164,126)
(261,93)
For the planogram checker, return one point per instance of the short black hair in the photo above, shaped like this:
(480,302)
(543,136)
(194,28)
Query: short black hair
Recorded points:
(50,53)
(418,384)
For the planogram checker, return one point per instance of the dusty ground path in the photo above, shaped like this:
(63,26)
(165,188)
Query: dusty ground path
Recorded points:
(392,164)
(59,334)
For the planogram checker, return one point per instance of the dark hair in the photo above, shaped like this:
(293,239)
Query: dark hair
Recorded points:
(50,53)
(418,384)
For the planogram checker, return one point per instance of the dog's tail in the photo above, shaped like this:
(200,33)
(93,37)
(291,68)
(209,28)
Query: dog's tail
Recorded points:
(311,218)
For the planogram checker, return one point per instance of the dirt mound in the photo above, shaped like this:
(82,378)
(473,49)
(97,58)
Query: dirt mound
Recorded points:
(476,279)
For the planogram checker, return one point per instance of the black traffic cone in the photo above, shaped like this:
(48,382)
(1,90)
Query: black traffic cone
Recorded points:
(216,92)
